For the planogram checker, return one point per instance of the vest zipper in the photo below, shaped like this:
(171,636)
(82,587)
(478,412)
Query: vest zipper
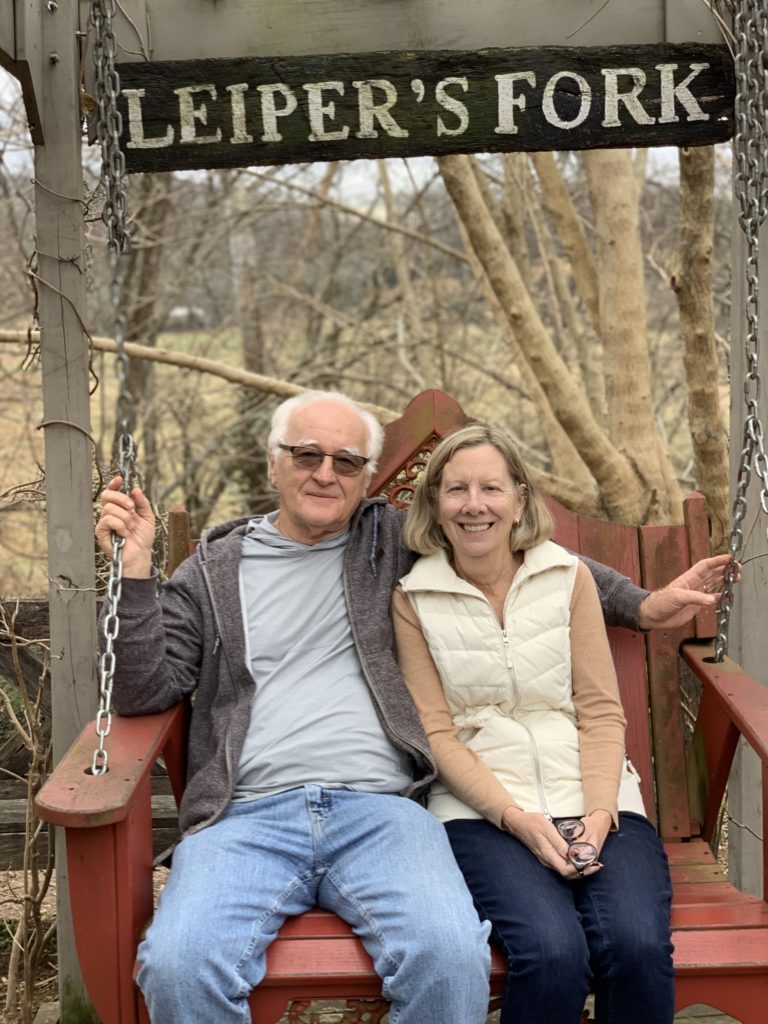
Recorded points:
(535,760)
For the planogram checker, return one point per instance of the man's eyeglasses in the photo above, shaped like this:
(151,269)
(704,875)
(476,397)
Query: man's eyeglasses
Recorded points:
(581,855)
(344,463)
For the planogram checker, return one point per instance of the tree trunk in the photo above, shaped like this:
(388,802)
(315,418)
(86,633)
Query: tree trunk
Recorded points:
(693,287)
(560,208)
(631,418)
(573,237)
(623,492)
(571,483)
(517,185)
(140,300)
(411,333)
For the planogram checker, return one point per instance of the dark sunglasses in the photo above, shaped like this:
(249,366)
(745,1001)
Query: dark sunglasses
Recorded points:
(581,855)
(344,463)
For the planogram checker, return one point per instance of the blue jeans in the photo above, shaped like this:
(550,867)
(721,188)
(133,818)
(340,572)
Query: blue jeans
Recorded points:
(381,862)
(557,935)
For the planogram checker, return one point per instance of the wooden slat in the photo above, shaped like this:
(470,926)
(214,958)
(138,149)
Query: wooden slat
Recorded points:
(722,951)
(617,546)
(165,830)
(737,914)
(697,873)
(690,893)
(179,544)
(709,761)
(694,852)
(566,525)
(664,555)
(697,524)
(319,958)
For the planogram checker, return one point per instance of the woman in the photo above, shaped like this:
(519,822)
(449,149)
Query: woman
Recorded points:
(501,640)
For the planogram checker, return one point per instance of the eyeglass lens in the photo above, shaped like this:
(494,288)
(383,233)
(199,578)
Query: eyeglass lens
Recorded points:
(581,855)
(344,463)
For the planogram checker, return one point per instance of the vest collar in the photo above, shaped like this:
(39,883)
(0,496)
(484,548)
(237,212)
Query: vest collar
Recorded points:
(435,572)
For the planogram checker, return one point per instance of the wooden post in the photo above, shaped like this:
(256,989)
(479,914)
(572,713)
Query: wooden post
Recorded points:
(748,644)
(68,454)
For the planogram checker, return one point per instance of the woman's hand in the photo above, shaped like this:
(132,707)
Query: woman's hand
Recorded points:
(597,825)
(545,842)
(129,516)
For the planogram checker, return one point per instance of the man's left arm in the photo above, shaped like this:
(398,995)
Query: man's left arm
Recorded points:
(625,604)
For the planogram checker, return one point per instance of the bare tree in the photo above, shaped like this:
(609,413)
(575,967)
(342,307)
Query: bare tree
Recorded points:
(33,932)
(692,284)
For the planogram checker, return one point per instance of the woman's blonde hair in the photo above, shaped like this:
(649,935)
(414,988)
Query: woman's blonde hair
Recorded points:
(423,532)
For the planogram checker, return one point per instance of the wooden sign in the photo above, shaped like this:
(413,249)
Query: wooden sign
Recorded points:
(243,111)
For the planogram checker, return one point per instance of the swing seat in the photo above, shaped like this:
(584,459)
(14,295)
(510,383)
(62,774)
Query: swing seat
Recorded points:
(720,934)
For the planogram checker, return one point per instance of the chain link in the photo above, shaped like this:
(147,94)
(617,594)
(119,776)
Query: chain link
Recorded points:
(109,125)
(109,130)
(750,148)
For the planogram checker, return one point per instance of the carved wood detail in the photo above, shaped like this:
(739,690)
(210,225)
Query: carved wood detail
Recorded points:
(399,490)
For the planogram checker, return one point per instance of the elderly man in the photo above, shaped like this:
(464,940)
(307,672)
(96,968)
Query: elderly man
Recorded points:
(303,739)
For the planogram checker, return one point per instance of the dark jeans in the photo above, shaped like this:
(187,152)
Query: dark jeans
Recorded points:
(611,928)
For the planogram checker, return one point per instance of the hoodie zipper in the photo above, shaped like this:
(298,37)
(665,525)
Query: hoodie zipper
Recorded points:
(217,643)
(410,747)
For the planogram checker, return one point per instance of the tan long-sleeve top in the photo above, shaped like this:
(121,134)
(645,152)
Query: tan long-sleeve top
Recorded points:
(601,721)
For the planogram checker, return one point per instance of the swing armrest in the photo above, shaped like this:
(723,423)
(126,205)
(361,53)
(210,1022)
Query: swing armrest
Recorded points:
(108,822)
(75,798)
(733,704)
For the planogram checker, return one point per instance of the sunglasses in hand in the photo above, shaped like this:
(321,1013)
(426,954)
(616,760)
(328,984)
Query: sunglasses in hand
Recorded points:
(581,855)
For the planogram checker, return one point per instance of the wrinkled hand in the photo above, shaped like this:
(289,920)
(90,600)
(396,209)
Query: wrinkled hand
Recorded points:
(684,597)
(129,516)
(544,841)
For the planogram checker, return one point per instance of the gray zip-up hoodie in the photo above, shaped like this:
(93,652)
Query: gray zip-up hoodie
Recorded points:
(187,637)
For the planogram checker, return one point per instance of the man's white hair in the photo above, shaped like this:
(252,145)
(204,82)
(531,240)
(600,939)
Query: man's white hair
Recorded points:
(284,411)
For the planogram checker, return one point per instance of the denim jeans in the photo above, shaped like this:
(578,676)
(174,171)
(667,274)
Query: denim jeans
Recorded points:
(557,935)
(381,862)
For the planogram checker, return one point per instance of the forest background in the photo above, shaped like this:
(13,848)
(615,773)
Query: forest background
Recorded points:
(579,300)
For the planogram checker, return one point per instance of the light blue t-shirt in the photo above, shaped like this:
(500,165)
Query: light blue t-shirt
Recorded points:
(313,718)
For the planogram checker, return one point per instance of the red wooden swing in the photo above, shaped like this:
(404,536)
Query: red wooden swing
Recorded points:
(720,934)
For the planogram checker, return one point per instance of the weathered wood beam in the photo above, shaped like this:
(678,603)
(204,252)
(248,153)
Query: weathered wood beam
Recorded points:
(60,282)
(181,29)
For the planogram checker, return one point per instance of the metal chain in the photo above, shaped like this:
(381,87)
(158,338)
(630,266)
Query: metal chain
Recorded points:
(750,147)
(109,125)
(109,129)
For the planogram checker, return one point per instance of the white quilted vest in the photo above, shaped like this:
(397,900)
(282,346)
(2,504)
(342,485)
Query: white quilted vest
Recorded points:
(509,690)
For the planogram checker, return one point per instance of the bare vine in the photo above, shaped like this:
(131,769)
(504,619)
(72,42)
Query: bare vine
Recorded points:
(31,937)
